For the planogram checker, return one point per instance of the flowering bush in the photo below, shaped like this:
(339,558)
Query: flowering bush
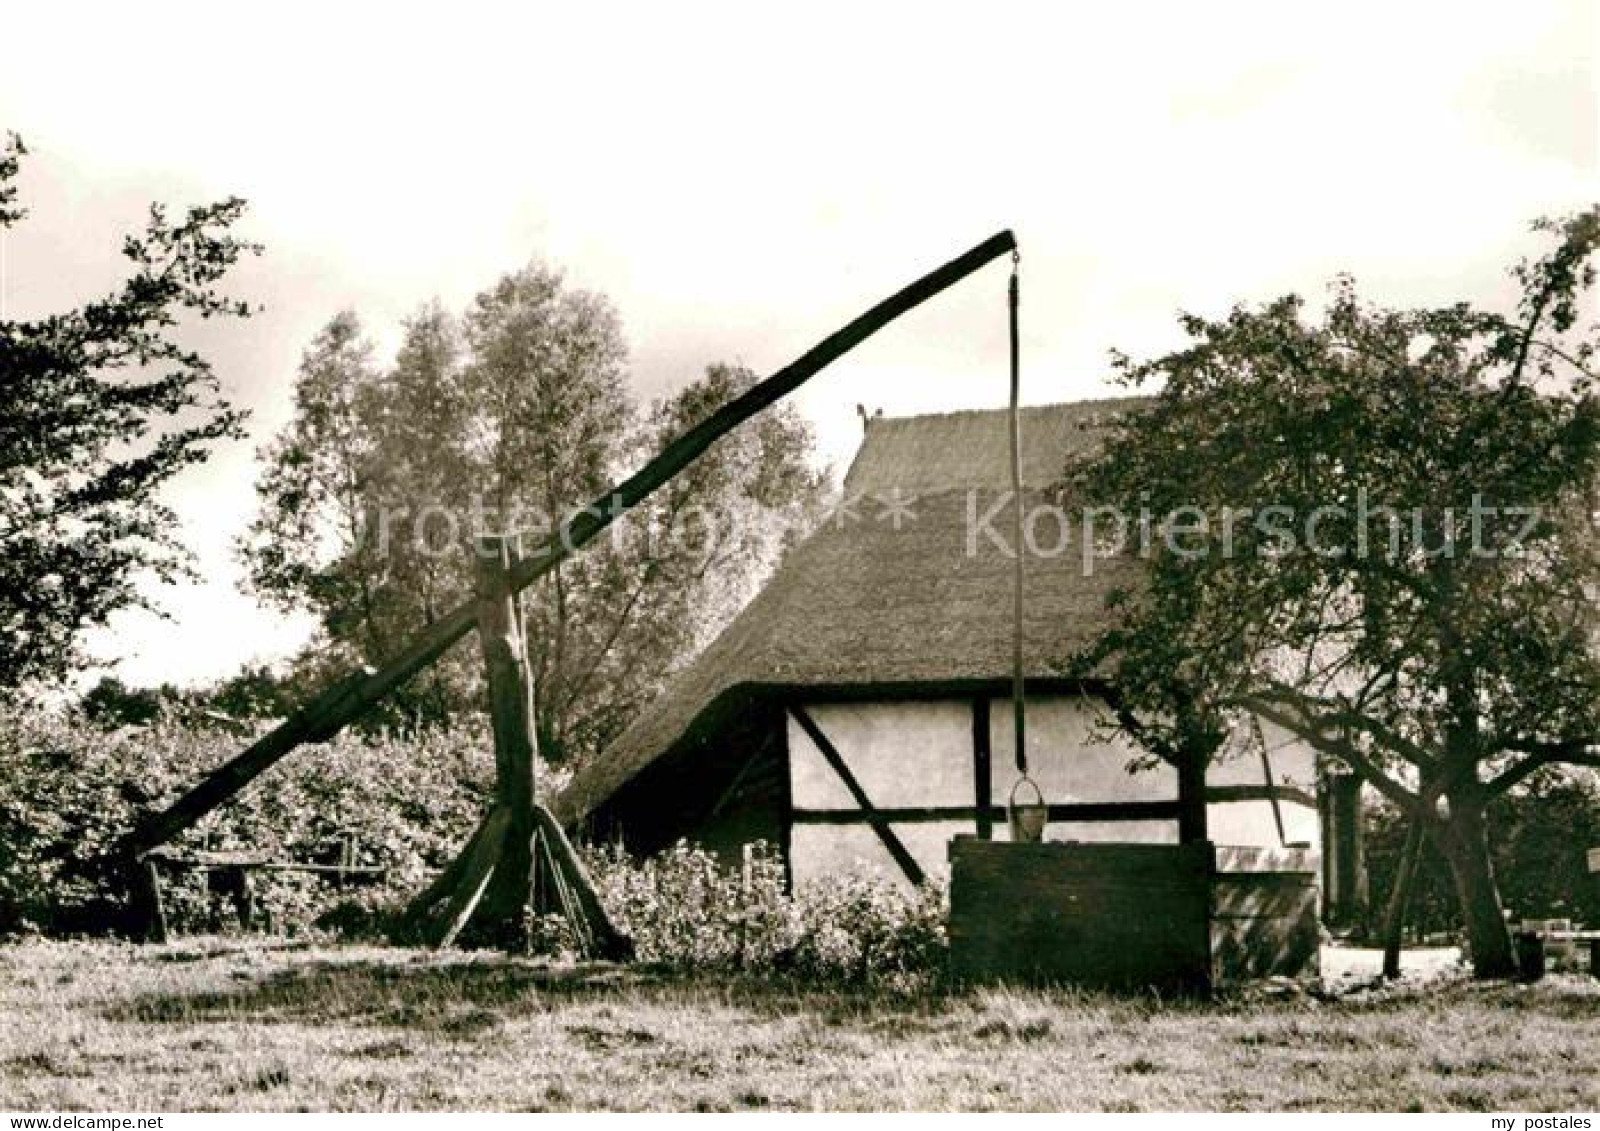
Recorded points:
(688,911)
(866,931)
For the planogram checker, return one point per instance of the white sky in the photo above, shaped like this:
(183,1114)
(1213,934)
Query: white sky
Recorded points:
(740,182)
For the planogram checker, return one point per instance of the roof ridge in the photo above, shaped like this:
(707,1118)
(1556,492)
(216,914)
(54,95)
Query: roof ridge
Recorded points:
(967,446)
(1088,403)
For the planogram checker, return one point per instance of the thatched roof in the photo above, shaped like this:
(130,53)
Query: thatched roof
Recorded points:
(862,604)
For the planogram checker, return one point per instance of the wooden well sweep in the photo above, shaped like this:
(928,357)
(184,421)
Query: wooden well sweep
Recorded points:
(1176,918)
(499,852)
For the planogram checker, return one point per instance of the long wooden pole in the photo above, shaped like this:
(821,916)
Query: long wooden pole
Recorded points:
(1019,707)
(684,450)
(328,713)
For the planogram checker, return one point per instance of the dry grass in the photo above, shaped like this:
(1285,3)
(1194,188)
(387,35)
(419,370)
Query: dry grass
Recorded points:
(235,1025)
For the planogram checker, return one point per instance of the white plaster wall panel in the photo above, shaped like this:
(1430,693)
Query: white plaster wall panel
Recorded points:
(1108,832)
(929,843)
(1251,823)
(1290,754)
(913,753)
(818,853)
(1293,763)
(822,853)
(813,784)
(1068,758)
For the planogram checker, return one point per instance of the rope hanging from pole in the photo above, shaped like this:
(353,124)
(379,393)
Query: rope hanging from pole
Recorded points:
(1018,709)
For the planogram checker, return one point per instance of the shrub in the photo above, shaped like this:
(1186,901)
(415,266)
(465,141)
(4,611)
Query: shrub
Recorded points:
(689,912)
(69,792)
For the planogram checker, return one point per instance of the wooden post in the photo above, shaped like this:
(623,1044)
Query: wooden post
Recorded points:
(1191,797)
(1394,914)
(1346,895)
(347,857)
(155,910)
(244,899)
(982,763)
(510,704)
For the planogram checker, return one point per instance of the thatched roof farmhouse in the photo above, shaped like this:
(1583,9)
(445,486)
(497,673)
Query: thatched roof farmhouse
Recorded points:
(875,665)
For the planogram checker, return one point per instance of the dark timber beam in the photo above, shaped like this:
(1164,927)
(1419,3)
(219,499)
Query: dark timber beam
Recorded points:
(1082,811)
(1191,798)
(328,713)
(1085,811)
(982,775)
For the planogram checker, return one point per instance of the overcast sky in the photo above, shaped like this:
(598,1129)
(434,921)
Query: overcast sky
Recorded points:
(741,179)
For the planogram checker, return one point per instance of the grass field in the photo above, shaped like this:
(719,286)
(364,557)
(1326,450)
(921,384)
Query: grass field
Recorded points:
(214,1024)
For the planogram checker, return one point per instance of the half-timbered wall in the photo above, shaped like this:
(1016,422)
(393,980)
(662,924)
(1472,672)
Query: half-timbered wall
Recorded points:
(919,766)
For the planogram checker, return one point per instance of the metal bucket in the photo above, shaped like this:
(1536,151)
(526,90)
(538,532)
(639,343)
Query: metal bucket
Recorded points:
(1028,819)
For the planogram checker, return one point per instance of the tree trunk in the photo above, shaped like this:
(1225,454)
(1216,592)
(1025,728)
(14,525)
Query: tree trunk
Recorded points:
(1463,841)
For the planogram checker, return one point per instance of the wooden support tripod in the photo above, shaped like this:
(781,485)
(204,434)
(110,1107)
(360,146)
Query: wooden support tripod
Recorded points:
(518,862)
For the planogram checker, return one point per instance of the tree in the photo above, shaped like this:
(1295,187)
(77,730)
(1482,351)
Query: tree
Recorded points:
(1375,530)
(506,420)
(677,568)
(345,498)
(317,481)
(99,407)
(550,418)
